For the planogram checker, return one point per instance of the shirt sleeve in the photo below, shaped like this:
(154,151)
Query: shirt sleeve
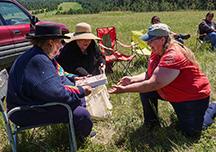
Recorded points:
(46,83)
(172,59)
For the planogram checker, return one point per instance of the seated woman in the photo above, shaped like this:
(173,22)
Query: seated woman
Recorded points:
(207,29)
(81,55)
(36,79)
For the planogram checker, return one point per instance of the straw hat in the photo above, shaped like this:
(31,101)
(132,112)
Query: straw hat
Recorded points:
(82,31)
(47,31)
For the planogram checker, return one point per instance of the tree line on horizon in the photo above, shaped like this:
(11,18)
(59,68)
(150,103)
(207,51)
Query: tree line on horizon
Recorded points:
(96,6)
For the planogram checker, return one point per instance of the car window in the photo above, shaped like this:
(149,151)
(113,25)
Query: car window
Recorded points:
(12,14)
(0,21)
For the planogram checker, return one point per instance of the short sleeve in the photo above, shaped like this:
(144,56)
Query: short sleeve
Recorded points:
(173,58)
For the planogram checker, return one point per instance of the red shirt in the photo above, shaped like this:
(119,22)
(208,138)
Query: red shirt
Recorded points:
(190,84)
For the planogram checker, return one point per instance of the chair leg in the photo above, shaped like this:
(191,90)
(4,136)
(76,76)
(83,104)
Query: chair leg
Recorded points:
(10,138)
(15,136)
(72,138)
(14,146)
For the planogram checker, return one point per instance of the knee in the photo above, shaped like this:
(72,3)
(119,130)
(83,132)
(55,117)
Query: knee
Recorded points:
(82,121)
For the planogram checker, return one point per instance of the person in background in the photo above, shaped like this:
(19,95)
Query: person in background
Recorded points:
(178,37)
(207,29)
(36,78)
(174,75)
(210,114)
(81,55)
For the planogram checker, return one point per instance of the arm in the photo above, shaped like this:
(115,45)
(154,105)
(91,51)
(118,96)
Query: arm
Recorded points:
(45,84)
(140,77)
(126,80)
(214,26)
(101,62)
(99,55)
(160,78)
(205,28)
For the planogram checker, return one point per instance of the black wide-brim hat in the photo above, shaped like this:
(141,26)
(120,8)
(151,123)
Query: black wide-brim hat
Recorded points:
(47,31)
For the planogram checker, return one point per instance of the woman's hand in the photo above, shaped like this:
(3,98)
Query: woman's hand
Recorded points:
(87,89)
(126,80)
(116,89)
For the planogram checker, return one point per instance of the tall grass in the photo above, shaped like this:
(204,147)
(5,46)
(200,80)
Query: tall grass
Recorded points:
(124,131)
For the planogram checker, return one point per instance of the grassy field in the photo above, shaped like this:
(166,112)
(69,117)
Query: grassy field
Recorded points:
(66,6)
(123,132)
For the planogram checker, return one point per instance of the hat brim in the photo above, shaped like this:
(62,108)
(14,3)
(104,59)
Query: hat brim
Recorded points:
(33,36)
(85,36)
(147,37)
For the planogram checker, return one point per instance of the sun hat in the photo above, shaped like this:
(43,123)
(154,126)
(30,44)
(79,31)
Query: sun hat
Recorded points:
(47,31)
(156,30)
(82,31)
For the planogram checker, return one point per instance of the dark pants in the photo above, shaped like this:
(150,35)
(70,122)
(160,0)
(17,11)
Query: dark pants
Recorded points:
(56,114)
(190,114)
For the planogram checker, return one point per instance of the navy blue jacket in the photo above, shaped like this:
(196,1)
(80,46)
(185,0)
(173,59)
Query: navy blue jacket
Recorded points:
(34,79)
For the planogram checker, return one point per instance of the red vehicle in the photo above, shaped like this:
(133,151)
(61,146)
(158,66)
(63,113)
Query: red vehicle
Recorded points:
(15,23)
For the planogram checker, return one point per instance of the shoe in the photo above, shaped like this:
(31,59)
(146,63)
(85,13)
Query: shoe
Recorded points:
(186,36)
(92,134)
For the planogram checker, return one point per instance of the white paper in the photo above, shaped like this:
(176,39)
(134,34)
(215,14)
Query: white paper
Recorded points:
(93,81)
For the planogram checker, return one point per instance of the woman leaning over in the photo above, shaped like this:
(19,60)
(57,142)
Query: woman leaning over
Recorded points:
(174,75)
(35,79)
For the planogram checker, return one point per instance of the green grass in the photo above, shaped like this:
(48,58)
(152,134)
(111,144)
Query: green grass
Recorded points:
(66,6)
(123,132)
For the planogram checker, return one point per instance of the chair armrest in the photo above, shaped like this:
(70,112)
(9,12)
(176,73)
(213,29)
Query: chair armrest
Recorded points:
(20,108)
(124,45)
(107,48)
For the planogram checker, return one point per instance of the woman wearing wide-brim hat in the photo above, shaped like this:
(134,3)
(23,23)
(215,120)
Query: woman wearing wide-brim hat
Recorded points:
(81,55)
(36,78)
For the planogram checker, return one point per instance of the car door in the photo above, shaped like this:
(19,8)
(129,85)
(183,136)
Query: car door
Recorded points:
(15,24)
(5,35)
(16,20)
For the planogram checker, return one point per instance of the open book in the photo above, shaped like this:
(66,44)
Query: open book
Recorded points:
(93,81)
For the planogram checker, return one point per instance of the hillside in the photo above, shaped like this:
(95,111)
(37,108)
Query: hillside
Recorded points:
(96,6)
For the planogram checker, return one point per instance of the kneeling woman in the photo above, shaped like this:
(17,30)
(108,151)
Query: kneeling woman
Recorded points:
(34,79)
(174,75)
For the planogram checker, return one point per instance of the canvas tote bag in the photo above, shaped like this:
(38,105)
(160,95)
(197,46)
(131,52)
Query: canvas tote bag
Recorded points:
(98,103)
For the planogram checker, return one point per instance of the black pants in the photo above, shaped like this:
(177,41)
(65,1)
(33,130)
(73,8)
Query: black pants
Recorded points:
(190,114)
